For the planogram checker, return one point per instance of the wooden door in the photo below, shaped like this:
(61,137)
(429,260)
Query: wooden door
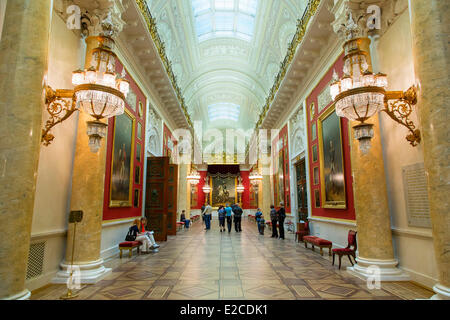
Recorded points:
(302,197)
(156,198)
(172,197)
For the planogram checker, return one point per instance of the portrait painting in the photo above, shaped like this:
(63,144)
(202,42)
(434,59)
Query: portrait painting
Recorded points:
(314,153)
(313,132)
(136,198)
(280,179)
(137,175)
(223,190)
(331,161)
(122,161)
(317,198)
(139,131)
(138,152)
(253,196)
(316,175)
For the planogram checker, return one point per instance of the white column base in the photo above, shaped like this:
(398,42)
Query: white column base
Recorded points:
(90,273)
(389,271)
(442,292)
(24,295)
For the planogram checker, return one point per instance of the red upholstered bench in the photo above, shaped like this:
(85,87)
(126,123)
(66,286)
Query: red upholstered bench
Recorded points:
(129,245)
(319,242)
(180,225)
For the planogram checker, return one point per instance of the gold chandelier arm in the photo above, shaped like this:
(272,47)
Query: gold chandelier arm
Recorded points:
(61,104)
(398,106)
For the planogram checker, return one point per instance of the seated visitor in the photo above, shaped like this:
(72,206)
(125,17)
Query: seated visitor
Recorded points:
(138,236)
(149,234)
(183,216)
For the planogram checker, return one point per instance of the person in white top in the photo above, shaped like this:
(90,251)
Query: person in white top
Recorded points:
(207,213)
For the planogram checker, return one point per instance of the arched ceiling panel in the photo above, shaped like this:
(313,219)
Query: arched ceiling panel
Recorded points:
(226,52)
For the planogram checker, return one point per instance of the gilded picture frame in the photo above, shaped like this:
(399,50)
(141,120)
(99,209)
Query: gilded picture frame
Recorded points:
(122,173)
(230,186)
(331,157)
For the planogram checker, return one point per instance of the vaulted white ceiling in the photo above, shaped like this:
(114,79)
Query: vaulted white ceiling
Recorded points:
(226,53)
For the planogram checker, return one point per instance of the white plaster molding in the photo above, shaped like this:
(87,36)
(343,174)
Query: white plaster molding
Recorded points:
(49,234)
(442,292)
(24,295)
(344,223)
(412,233)
(117,222)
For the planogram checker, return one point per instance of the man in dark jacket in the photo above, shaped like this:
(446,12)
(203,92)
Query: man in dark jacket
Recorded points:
(281,215)
(273,219)
(237,211)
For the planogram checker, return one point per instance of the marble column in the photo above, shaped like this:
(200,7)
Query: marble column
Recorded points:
(375,248)
(23,63)
(265,191)
(87,195)
(184,189)
(430,30)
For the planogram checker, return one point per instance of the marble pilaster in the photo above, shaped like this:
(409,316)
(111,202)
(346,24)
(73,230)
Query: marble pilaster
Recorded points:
(23,63)
(430,31)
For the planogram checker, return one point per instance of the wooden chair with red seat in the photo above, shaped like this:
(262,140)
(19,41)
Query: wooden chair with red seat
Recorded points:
(302,230)
(350,250)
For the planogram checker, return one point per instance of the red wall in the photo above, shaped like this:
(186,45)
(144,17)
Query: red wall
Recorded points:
(349,213)
(246,194)
(200,194)
(126,212)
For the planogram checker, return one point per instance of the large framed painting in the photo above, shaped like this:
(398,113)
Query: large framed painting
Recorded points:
(253,196)
(122,161)
(223,190)
(331,160)
(280,179)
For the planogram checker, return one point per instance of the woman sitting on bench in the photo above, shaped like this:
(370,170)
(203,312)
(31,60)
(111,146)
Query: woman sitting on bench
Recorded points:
(141,237)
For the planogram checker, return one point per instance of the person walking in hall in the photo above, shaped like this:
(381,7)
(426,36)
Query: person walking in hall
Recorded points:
(207,214)
(273,219)
(237,211)
(221,214)
(149,234)
(228,214)
(281,215)
(203,217)
(258,216)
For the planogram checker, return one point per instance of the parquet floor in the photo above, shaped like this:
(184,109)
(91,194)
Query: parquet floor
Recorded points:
(200,265)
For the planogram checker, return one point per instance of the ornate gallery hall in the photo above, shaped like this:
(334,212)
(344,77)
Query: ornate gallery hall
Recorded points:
(319,125)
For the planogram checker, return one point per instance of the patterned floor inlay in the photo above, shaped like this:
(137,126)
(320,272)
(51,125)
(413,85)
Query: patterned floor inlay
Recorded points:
(200,265)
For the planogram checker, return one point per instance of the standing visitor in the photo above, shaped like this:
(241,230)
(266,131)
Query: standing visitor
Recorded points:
(203,216)
(228,212)
(237,217)
(258,216)
(281,215)
(273,219)
(261,225)
(222,214)
(207,214)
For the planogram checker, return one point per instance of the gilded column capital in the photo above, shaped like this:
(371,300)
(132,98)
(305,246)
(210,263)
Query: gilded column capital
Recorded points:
(101,17)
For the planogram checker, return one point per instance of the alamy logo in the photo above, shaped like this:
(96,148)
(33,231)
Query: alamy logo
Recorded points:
(374,18)
(74,281)
(74,19)
(374,279)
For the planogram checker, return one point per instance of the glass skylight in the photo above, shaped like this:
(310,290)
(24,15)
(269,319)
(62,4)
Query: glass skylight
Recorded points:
(224,111)
(229,18)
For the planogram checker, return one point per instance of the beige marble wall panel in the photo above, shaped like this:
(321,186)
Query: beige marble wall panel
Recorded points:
(23,62)
(430,29)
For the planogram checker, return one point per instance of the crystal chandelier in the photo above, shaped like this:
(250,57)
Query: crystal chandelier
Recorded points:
(255,179)
(206,188)
(240,188)
(98,91)
(360,94)
(193,178)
